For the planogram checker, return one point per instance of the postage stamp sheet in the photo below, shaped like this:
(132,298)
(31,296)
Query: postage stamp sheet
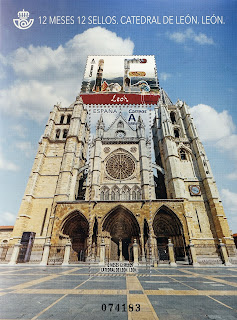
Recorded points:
(120,186)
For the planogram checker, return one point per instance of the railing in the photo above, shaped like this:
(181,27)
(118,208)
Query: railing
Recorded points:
(36,253)
(207,249)
(76,257)
(56,254)
(5,252)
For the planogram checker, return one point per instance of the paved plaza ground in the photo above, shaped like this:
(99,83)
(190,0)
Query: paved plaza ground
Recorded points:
(83,292)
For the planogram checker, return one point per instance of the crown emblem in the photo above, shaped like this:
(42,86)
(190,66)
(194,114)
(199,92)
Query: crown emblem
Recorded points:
(22,22)
(23,14)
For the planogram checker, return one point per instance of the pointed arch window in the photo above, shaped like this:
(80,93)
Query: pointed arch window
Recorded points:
(120,125)
(183,155)
(126,193)
(173,117)
(65,132)
(62,119)
(176,133)
(104,195)
(139,195)
(57,134)
(136,193)
(115,194)
(123,195)
(69,119)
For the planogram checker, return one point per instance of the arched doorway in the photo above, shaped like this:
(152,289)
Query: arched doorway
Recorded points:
(166,225)
(123,228)
(76,227)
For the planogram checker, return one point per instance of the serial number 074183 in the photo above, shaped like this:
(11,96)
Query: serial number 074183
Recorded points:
(121,308)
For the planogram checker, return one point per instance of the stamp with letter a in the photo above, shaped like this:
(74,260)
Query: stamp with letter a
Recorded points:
(119,93)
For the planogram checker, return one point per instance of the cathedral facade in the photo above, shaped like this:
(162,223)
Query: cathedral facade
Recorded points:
(94,197)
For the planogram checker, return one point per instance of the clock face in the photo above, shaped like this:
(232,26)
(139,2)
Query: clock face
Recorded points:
(195,190)
(120,134)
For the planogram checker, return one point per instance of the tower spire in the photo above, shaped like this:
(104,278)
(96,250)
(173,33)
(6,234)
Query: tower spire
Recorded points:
(164,98)
(100,127)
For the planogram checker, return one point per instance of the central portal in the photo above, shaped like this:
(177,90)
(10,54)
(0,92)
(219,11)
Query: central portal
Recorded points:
(123,228)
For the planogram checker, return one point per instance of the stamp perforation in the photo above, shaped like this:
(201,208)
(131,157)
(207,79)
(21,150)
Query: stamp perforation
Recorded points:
(120,109)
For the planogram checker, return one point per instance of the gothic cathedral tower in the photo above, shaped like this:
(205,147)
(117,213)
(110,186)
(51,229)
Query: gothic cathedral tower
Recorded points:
(95,196)
(188,176)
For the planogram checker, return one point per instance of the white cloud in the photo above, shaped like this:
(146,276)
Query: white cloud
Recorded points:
(3,63)
(31,99)
(46,76)
(219,129)
(212,125)
(229,144)
(6,165)
(19,130)
(68,59)
(26,147)
(232,176)
(7,218)
(165,76)
(189,34)
(229,199)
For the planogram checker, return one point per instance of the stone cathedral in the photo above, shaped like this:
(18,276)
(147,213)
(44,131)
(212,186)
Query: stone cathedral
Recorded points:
(95,200)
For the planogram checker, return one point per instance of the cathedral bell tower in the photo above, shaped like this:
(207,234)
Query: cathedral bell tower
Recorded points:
(188,175)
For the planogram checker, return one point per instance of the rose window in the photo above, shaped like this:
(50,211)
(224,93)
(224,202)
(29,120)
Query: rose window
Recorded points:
(120,166)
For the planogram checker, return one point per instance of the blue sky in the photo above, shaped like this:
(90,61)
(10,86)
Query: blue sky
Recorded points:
(43,65)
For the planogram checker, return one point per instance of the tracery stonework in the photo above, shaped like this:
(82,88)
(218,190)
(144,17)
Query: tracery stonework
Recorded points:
(120,166)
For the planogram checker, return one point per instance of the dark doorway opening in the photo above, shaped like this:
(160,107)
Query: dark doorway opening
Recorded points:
(162,246)
(27,241)
(121,224)
(166,225)
(77,228)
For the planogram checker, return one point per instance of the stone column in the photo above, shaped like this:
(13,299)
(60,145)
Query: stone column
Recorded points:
(224,254)
(99,237)
(155,247)
(45,257)
(15,253)
(98,249)
(155,263)
(142,246)
(102,252)
(108,248)
(1,249)
(152,241)
(171,253)
(121,250)
(135,252)
(67,253)
(153,254)
(90,244)
(193,254)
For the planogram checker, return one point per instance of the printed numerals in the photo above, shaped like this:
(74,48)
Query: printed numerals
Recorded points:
(121,308)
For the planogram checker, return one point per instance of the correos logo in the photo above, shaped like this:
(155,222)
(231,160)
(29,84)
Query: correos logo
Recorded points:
(22,22)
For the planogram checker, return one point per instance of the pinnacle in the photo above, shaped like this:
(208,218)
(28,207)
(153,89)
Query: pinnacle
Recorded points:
(164,98)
